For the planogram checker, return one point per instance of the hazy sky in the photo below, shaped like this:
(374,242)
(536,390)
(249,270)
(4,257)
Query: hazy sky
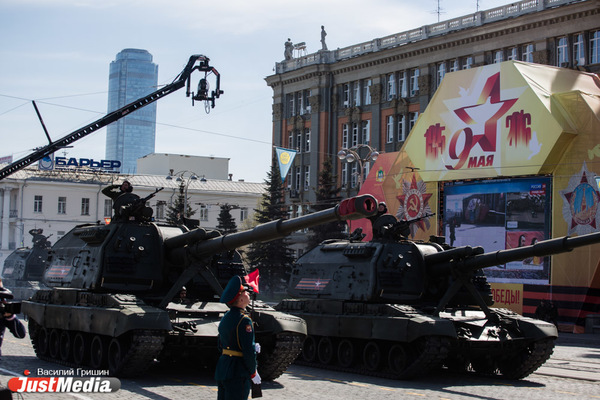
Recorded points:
(57,52)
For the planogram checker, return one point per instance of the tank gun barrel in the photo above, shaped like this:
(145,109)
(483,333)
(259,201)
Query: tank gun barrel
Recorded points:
(541,249)
(349,209)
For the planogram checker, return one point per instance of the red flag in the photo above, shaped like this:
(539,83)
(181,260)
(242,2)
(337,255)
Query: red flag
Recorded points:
(252,280)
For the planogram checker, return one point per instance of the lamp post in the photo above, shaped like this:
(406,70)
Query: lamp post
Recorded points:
(181,177)
(360,153)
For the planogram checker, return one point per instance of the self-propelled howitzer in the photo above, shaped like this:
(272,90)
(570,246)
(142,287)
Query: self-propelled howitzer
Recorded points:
(116,294)
(399,308)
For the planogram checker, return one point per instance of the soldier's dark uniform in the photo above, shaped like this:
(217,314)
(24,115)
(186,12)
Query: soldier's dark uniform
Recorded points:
(237,363)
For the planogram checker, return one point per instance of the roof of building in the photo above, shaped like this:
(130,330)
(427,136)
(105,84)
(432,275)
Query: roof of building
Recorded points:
(74,175)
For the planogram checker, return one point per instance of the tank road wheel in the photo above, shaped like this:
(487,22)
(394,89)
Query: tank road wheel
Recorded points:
(115,356)
(325,350)
(398,359)
(54,343)
(309,349)
(81,348)
(43,339)
(345,353)
(97,352)
(65,346)
(372,356)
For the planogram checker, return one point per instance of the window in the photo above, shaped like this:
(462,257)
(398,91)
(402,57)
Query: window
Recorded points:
(366,132)
(291,141)
(367,92)
(344,174)
(366,169)
(527,53)
(356,93)
(454,66)
(414,82)
(203,212)
(390,128)
(299,142)
(299,103)
(289,179)
(243,213)
(354,174)
(160,209)
(85,206)
(37,204)
(467,63)
(578,50)
(291,109)
(354,134)
(307,140)
(345,136)
(412,120)
(107,208)
(498,56)
(306,177)
(402,87)
(62,205)
(297,183)
(562,54)
(391,86)
(401,133)
(346,95)
(512,54)
(595,47)
(441,72)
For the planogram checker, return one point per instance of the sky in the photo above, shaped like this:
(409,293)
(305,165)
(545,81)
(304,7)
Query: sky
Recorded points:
(57,52)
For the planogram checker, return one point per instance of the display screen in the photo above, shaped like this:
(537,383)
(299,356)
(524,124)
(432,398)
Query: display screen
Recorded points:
(501,214)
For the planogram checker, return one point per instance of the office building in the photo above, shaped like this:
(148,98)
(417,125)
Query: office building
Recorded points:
(132,76)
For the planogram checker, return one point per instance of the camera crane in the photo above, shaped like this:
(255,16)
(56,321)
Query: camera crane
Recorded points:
(195,63)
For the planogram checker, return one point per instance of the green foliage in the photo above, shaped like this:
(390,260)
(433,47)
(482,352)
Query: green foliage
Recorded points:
(327,197)
(175,211)
(226,223)
(274,258)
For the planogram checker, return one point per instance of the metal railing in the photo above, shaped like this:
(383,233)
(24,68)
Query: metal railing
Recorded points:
(441,28)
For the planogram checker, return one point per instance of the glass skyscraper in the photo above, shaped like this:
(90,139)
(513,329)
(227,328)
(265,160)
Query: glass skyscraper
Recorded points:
(132,75)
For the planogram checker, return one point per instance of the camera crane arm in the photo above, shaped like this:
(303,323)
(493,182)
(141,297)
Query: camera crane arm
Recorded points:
(196,63)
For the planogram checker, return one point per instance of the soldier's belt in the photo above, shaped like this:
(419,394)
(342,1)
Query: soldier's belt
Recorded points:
(233,353)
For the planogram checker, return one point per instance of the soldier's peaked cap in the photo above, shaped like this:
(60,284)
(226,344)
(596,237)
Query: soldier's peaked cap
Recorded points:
(233,288)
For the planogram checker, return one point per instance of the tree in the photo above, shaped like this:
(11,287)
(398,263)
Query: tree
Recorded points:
(175,215)
(327,197)
(274,258)
(226,221)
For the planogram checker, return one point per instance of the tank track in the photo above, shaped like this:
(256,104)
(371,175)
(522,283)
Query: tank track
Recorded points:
(273,364)
(432,352)
(142,349)
(527,360)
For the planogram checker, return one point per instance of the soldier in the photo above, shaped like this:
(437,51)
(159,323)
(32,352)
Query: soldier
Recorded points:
(237,365)
(8,319)
(121,197)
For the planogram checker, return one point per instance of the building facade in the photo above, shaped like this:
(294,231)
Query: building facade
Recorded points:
(56,201)
(372,93)
(132,75)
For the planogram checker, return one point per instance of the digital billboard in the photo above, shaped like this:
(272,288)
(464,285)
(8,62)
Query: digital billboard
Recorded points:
(501,214)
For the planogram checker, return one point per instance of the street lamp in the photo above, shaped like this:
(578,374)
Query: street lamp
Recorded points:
(181,177)
(360,153)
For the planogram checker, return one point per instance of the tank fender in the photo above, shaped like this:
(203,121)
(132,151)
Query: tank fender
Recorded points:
(106,321)
(531,328)
(276,322)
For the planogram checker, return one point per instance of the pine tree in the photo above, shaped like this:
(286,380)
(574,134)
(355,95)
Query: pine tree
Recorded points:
(226,222)
(274,258)
(327,197)
(175,212)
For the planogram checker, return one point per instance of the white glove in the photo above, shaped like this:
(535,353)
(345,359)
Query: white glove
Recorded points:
(256,379)
(257,348)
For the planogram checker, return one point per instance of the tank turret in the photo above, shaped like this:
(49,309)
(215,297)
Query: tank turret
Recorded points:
(399,307)
(24,267)
(114,299)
